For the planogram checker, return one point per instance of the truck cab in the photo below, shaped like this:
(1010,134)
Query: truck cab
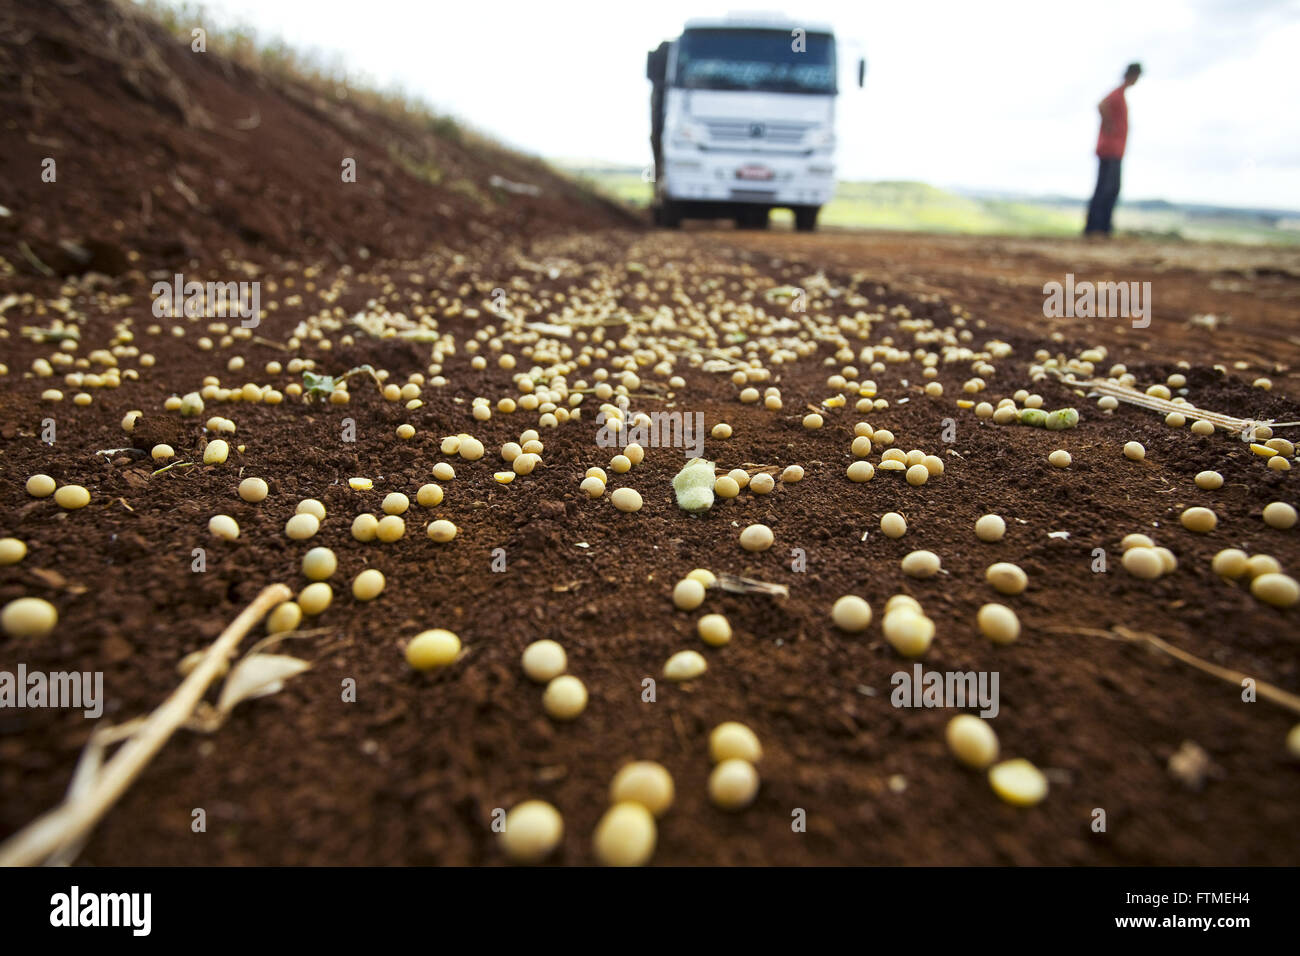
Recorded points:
(743,120)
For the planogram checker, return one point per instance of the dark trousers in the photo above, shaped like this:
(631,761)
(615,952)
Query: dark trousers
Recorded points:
(1103,198)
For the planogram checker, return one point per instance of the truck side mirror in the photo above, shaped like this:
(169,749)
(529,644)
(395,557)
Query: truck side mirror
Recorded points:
(862,71)
(656,63)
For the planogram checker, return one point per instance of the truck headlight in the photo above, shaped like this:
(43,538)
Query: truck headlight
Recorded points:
(823,138)
(689,133)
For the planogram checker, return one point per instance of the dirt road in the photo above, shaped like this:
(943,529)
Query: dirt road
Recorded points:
(414,770)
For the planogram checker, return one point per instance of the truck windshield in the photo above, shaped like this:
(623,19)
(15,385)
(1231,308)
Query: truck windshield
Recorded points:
(755,60)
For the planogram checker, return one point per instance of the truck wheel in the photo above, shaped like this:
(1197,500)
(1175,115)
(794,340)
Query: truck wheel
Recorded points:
(805,218)
(668,215)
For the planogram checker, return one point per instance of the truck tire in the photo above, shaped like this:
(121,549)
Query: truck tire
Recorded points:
(805,218)
(668,215)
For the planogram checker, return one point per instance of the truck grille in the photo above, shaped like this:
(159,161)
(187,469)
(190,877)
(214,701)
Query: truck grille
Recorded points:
(756,132)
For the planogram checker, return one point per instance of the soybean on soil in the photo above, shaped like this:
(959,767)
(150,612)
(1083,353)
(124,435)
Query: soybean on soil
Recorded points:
(413,770)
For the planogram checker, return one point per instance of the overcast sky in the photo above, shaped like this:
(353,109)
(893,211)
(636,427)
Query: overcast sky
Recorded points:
(989,94)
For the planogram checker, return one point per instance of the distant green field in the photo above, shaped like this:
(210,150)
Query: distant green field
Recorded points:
(923,208)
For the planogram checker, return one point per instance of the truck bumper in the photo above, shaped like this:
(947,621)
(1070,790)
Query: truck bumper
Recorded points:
(761,179)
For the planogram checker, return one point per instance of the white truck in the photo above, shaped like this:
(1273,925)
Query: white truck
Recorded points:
(742,118)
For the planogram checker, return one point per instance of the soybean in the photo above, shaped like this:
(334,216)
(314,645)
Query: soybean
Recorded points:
(644,782)
(1006,578)
(1277,514)
(253,490)
(625,835)
(532,831)
(990,528)
(851,613)
(685,665)
(734,740)
(998,623)
(315,598)
(565,697)
(224,527)
(368,585)
(432,649)
(1018,782)
(757,537)
(893,525)
(1199,520)
(29,617)
(441,531)
(714,630)
(544,660)
(972,741)
(733,784)
(921,564)
(626,500)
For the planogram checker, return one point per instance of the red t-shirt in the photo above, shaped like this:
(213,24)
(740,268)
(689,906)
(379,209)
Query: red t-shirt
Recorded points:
(1110,142)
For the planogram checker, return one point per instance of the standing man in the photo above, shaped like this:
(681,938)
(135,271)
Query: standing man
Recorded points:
(1110,151)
